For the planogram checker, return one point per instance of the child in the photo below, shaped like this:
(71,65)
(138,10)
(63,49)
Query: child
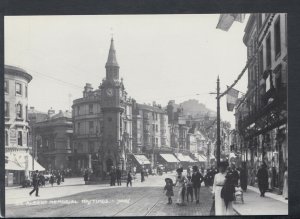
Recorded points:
(189,189)
(169,190)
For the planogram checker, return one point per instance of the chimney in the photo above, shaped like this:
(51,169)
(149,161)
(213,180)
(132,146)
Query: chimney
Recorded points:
(51,112)
(87,88)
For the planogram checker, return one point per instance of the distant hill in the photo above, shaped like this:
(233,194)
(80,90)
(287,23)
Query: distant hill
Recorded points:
(194,108)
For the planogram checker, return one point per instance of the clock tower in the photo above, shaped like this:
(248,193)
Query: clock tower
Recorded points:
(112,106)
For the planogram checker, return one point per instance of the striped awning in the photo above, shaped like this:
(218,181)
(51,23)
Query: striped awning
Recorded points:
(169,158)
(141,159)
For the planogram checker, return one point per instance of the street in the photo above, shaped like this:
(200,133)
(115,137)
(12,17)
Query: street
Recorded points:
(73,200)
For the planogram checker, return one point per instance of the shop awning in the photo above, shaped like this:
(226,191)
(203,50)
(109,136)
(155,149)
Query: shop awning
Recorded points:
(212,157)
(169,158)
(142,159)
(22,161)
(201,158)
(11,165)
(184,158)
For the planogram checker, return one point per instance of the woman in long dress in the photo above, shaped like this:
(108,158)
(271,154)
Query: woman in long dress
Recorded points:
(285,192)
(180,180)
(219,181)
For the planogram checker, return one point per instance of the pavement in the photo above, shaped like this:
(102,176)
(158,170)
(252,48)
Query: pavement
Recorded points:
(271,204)
(74,198)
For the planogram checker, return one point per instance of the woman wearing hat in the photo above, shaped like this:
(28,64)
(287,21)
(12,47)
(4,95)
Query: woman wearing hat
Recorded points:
(180,180)
(221,207)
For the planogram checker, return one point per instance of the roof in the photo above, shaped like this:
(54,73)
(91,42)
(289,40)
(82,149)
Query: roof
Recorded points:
(13,70)
(150,108)
(112,59)
(66,114)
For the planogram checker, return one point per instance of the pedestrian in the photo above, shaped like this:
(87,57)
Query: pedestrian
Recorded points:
(118,175)
(197,179)
(86,176)
(142,175)
(112,176)
(219,182)
(169,189)
(243,177)
(235,175)
(42,179)
(188,171)
(262,177)
(285,192)
(35,183)
(129,178)
(51,180)
(134,170)
(228,192)
(189,189)
(63,176)
(180,180)
(58,178)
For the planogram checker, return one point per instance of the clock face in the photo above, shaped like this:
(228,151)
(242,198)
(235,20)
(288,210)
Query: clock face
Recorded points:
(109,92)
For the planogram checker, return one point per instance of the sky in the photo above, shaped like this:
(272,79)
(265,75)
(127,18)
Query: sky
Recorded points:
(161,57)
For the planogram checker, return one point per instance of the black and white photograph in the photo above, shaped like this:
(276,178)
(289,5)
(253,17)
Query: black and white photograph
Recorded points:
(124,115)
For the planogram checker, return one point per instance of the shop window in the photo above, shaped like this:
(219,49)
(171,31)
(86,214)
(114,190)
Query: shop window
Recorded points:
(277,38)
(6,109)
(18,88)
(6,87)
(19,111)
(20,143)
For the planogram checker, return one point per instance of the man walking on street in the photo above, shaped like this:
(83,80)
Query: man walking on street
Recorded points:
(118,174)
(262,177)
(197,179)
(35,183)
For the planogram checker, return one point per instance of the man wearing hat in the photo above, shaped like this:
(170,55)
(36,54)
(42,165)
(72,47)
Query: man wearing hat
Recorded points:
(35,183)
(197,179)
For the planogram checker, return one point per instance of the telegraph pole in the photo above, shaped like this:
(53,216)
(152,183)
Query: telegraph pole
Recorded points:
(218,122)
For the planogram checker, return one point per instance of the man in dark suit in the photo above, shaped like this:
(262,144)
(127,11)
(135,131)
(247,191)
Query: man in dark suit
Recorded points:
(35,183)
(118,174)
(197,179)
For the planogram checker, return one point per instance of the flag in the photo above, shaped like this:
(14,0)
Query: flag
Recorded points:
(226,20)
(232,96)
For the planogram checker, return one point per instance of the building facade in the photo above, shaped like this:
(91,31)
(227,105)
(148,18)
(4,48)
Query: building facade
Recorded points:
(52,140)
(103,123)
(262,114)
(18,161)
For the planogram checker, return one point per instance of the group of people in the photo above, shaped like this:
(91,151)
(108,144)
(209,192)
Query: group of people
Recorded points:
(189,186)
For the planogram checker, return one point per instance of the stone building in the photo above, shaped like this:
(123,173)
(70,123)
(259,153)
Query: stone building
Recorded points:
(52,140)
(262,115)
(103,122)
(18,161)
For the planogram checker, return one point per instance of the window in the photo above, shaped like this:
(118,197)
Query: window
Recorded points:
(277,38)
(156,128)
(91,147)
(26,113)
(6,138)
(91,126)
(153,128)
(78,127)
(26,91)
(91,108)
(6,109)
(18,88)
(156,142)
(19,111)
(6,86)
(20,138)
(78,110)
(268,48)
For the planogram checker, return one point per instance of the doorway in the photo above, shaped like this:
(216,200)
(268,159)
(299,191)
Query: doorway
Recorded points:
(109,164)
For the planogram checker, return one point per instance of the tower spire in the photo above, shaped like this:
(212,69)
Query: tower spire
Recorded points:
(112,59)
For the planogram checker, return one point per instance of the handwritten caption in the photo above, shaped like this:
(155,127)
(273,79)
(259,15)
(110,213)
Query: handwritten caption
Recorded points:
(72,202)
